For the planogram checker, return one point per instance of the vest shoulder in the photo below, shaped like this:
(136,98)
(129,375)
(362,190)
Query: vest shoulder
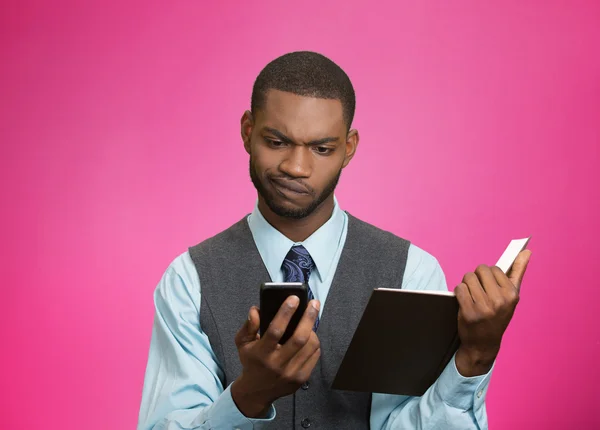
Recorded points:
(232,233)
(375,233)
(240,231)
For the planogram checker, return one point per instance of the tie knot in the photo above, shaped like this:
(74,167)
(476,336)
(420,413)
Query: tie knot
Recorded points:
(298,265)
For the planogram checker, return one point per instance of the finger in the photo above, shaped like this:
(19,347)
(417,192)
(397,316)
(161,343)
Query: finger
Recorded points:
(475,288)
(277,328)
(302,333)
(510,293)
(519,267)
(463,295)
(465,301)
(489,284)
(501,278)
(249,331)
(309,365)
(299,359)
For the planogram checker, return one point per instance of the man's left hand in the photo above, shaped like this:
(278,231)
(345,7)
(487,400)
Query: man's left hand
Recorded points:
(487,300)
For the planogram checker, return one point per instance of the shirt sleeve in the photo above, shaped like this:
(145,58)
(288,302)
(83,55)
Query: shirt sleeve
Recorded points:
(453,401)
(182,385)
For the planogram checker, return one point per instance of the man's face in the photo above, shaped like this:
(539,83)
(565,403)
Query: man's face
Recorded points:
(298,147)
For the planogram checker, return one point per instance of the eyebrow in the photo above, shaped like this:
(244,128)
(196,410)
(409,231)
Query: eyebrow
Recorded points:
(286,139)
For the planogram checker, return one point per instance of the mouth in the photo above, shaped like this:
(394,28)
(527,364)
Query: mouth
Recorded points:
(289,188)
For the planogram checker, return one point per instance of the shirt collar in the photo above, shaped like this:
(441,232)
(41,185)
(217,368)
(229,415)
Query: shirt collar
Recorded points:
(273,246)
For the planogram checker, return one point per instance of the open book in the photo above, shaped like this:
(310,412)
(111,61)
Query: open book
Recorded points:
(405,338)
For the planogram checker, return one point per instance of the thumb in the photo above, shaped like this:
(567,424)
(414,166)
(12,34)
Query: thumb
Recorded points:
(518,268)
(249,331)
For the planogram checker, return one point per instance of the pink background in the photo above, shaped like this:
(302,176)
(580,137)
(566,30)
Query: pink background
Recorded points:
(120,147)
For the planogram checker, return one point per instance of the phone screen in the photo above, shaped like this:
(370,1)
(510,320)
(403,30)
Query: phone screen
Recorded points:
(272,296)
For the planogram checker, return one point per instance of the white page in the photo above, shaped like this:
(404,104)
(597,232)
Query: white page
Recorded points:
(504,263)
(434,292)
(510,254)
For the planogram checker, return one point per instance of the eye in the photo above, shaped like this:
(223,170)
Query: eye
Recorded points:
(323,150)
(275,143)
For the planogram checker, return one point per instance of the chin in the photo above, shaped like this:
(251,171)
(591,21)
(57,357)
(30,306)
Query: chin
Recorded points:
(289,210)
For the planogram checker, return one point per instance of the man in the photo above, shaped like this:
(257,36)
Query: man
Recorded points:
(205,372)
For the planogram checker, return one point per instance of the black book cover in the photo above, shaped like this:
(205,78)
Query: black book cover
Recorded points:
(402,344)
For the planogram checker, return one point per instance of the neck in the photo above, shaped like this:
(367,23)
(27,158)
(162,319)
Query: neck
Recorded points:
(298,230)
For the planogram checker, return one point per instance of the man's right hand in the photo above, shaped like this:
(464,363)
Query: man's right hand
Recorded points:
(271,370)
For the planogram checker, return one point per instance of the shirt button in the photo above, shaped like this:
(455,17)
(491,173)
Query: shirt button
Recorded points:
(479,394)
(305,386)
(305,423)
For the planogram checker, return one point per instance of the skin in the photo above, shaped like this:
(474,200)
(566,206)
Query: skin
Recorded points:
(304,143)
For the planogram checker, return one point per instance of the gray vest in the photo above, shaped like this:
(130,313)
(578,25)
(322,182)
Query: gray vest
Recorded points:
(231,270)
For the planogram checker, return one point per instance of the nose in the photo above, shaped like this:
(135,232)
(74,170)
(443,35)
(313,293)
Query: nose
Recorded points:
(297,162)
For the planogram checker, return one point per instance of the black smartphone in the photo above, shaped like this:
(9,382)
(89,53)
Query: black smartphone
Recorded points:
(272,296)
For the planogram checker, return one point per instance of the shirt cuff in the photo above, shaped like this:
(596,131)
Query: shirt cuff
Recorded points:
(224,414)
(462,392)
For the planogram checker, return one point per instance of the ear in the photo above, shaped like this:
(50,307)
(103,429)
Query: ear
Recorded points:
(247,125)
(351,144)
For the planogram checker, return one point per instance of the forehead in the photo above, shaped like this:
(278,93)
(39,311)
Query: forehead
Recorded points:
(300,115)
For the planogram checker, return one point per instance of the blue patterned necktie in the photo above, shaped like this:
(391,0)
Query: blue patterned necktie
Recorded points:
(297,266)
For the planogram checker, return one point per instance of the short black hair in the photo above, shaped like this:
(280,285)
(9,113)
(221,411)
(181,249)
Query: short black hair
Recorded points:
(309,74)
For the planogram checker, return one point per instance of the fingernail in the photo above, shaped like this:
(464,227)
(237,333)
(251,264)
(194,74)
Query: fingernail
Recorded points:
(293,301)
(316,304)
(250,315)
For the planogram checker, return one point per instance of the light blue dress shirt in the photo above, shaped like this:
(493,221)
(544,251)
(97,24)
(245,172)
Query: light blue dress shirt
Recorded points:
(182,385)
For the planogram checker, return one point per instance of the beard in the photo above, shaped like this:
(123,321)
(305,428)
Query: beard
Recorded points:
(295,213)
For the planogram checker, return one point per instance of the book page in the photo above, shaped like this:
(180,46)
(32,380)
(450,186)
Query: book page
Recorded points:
(504,263)
(435,292)
(510,254)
